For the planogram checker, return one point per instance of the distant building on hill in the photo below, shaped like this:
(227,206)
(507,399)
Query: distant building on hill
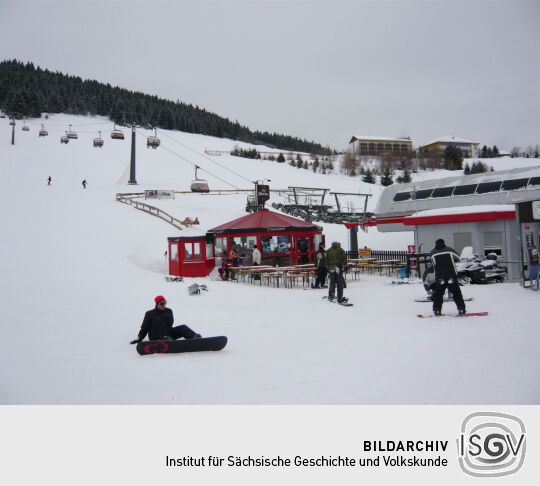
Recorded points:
(468,148)
(365,145)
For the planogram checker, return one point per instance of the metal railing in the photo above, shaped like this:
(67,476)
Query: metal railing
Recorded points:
(379,255)
(129,199)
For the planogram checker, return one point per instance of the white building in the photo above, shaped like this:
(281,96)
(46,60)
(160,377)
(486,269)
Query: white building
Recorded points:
(368,145)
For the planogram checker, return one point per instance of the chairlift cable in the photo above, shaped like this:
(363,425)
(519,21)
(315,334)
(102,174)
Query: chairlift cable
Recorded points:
(191,163)
(207,158)
(72,124)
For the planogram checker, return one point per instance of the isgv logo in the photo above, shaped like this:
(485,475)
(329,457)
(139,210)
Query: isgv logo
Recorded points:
(491,444)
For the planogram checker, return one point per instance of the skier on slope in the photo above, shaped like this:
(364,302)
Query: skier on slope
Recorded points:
(84,183)
(336,260)
(444,259)
(158,323)
(49,180)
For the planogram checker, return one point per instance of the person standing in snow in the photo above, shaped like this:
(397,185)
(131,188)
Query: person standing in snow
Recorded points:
(320,261)
(84,184)
(158,322)
(256,256)
(444,261)
(256,259)
(336,260)
(49,180)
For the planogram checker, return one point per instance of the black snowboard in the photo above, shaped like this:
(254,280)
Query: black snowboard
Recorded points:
(215,343)
(335,301)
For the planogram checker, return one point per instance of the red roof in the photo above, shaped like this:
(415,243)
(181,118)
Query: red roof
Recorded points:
(263,221)
(418,220)
(459,218)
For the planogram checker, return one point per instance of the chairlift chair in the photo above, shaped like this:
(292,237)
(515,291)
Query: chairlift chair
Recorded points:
(117,134)
(98,142)
(153,141)
(25,127)
(43,132)
(65,138)
(199,185)
(12,122)
(71,133)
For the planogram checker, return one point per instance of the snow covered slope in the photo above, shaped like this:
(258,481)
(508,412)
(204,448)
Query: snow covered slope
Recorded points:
(80,269)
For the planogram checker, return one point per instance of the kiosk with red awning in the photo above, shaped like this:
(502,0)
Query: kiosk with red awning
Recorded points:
(281,239)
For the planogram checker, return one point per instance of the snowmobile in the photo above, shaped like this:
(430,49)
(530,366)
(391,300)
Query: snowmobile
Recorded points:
(477,270)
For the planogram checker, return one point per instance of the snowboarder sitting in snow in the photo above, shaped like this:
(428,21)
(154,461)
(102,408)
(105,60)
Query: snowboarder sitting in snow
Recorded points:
(444,261)
(158,323)
(336,260)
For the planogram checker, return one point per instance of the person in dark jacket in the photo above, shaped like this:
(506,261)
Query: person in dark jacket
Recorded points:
(444,261)
(158,324)
(336,260)
(320,261)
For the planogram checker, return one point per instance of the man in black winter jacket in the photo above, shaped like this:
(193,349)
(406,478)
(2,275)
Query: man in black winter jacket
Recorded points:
(336,260)
(158,323)
(444,261)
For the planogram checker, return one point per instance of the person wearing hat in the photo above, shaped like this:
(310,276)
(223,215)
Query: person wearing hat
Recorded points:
(336,260)
(444,261)
(158,324)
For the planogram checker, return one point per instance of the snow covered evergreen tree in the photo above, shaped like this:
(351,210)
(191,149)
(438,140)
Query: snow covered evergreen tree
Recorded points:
(369,177)
(387,178)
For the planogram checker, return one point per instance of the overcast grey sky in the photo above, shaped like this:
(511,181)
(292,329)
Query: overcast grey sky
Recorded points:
(319,70)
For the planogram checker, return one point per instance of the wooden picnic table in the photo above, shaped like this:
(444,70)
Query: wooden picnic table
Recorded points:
(276,275)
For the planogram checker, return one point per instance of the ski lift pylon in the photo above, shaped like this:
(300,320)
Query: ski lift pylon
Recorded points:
(199,185)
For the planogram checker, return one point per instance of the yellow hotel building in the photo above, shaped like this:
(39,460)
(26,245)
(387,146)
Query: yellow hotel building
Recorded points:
(468,147)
